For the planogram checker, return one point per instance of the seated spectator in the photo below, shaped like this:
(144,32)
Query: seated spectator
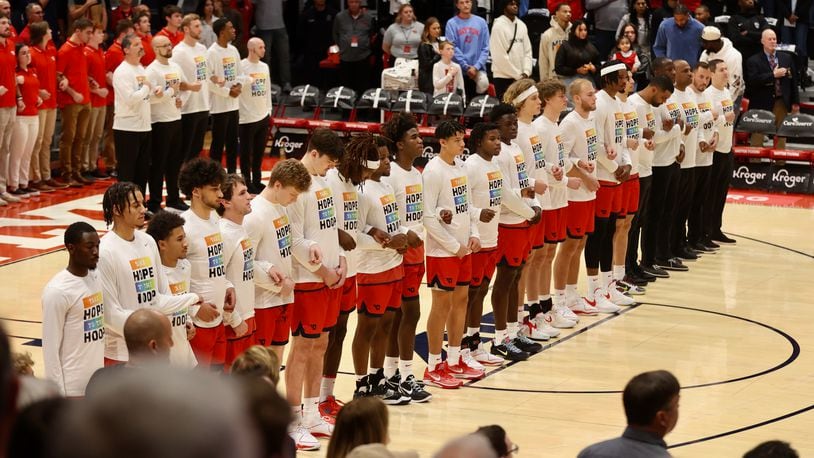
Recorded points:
(651,408)
(403,36)
(510,46)
(679,37)
(499,440)
(23,364)
(271,415)
(470,35)
(361,421)
(772,449)
(469,446)
(260,361)
(577,57)
(428,54)
(9,386)
(33,429)
(447,76)
(745,27)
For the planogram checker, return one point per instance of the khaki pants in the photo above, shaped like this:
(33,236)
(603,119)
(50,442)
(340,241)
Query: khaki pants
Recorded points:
(7,117)
(780,113)
(90,147)
(109,146)
(41,157)
(74,128)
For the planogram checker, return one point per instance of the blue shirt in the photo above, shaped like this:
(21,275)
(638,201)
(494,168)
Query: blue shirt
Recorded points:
(679,43)
(471,39)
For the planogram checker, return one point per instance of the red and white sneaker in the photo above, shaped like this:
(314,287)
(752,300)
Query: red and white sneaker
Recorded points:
(485,358)
(439,377)
(462,371)
(603,303)
(329,409)
(303,439)
(583,306)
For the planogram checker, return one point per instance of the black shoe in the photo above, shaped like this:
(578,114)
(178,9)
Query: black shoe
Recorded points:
(527,345)
(655,271)
(634,279)
(179,205)
(710,244)
(474,341)
(671,264)
(89,176)
(723,239)
(113,173)
(99,174)
(699,246)
(363,388)
(382,390)
(509,352)
(637,270)
(685,254)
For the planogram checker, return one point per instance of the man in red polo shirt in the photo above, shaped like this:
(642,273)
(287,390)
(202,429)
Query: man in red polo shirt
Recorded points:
(5,9)
(33,13)
(113,57)
(125,10)
(8,103)
(73,98)
(98,103)
(173,28)
(142,25)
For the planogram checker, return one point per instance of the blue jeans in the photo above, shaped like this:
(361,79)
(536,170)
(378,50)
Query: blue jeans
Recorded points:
(277,54)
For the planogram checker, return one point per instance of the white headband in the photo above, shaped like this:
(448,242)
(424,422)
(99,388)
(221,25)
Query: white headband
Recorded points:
(612,68)
(372,164)
(524,95)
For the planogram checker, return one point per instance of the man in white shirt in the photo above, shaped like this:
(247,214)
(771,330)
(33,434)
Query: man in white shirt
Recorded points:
(131,120)
(167,127)
(510,47)
(225,87)
(190,55)
(201,180)
(255,109)
(553,38)
(73,330)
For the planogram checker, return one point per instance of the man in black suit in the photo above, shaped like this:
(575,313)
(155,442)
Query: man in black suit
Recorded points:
(795,15)
(771,83)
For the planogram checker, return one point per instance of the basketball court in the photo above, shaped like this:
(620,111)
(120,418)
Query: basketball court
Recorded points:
(736,330)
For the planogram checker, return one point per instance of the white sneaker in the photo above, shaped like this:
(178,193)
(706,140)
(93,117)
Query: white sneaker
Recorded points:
(618,298)
(544,324)
(466,357)
(485,358)
(9,198)
(303,439)
(583,307)
(602,303)
(556,319)
(566,312)
(320,428)
(33,193)
(533,331)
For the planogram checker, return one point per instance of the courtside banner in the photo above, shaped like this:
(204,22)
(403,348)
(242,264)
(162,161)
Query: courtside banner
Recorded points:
(289,143)
(791,171)
(756,121)
(797,126)
(751,174)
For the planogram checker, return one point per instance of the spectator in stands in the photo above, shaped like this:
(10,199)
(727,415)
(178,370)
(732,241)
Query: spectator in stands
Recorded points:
(8,105)
(54,13)
(43,59)
(259,361)
(771,84)
(93,10)
(469,446)
(33,13)
(352,30)
(403,36)
(428,54)
(607,15)
(470,35)
(639,18)
(796,17)
(142,26)
(206,11)
(772,449)
(255,110)
(173,16)
(745,28)
(679,37)
(703,15)
(268,17)
(113,57)
(553,38)
(224,9)
(651,407)
(658,16)
(98,101)
(34,428)
(9,386)
(718,47)
(124,10)
(270,413)
(577,57)
(510,46)
(360,422)
(641,76)
(5,9)
(25,125)
(315,34)
(499,440)
(447,76)
(73,98)
(131,120)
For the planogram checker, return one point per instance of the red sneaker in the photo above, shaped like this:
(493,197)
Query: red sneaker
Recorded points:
(329,409)
(462,371)
(441,378)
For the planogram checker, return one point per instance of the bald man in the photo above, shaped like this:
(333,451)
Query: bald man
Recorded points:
(165,116)
(148,335)
(255,109)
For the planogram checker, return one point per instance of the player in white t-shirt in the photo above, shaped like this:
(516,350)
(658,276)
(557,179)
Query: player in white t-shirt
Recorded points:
(73,327)
(238,254)
(167,229)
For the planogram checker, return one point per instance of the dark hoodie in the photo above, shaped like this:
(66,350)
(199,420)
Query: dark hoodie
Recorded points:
(575,53)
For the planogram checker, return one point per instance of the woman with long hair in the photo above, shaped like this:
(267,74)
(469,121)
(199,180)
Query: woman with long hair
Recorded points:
(577,57)
(428,54)
(206,10)
(403,36)
(639,15)
(26,126)
(360,422)
(640,76)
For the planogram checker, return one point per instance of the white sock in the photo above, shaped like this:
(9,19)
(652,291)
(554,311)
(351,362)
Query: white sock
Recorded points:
(360,377)
(373,370)
(453,355)
(607,279)
(297,410)
(571,291)
(618,273)
(512,329)
(405,368)
(545,297)
(326,388)
(593,284)
(472,331)
(559,298)
(433,361)
(500,336)
(310,410)
(391,364)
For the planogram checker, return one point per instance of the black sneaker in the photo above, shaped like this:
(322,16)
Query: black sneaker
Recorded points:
(382,390)
(527,345)
(710,244)
(723,239)
(671,264)
(698,246)
(474,341)
(634,279)
(637,271)
(417,391)
(655,271)
(509,351)
(401,387)
(363,388)
(685,254)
